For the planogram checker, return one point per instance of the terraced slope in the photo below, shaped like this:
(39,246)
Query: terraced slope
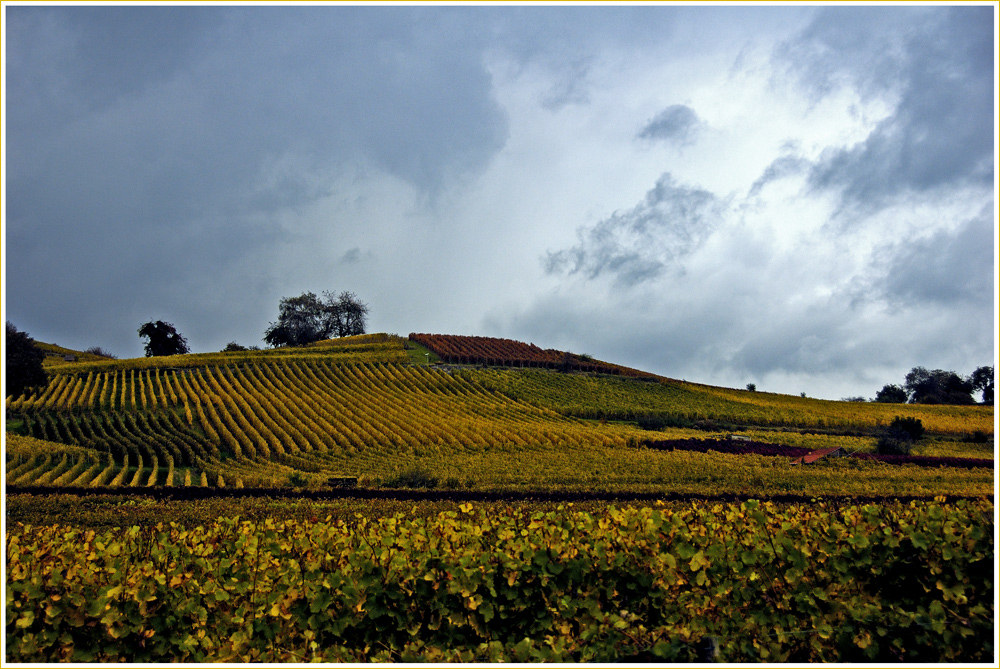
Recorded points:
(359,408)
(682,403)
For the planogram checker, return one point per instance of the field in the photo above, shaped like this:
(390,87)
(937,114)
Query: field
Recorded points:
(237,574)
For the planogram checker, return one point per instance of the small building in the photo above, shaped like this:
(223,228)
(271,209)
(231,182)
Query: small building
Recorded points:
(69,357)
(738,437)
(833,452)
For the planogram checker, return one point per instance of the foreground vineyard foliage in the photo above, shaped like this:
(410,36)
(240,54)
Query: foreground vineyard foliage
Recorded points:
(903,582)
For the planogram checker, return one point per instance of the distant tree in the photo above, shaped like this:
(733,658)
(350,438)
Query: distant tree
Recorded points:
(97,350)
(306,319)
(982,380)
(857,398)
(937,387)
(233,346)
(752,387)
(23,362)
(162,339)
(891,394)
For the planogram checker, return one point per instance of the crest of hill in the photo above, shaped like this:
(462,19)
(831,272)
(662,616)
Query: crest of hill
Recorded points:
(591,389)
(494,351)
(360,348)
(56,356)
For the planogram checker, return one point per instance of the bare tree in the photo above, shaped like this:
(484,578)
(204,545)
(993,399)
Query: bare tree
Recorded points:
(306,319)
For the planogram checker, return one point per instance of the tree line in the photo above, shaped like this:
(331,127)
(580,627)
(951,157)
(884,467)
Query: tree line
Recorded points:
(301,321)
(938,386)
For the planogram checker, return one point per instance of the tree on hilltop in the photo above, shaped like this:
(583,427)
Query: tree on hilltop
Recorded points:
(306,319)
(891,394)
(937,387)
(982,380)
(23,362)
(162,339)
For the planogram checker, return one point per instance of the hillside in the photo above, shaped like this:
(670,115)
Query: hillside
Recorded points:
(375,499)
(395,412)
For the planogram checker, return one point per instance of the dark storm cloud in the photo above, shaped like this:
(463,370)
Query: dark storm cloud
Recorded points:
(166,141)
(640,244)
(676,123)
(945,268)
(230,88)
(939,62)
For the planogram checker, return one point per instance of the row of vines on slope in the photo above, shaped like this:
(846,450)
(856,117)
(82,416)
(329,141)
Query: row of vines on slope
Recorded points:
(34,462)
(314,415)
(465,350)
(583,468)
(612,398)
(305,421)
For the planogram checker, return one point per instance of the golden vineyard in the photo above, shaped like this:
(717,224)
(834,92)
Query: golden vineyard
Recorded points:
(371,408)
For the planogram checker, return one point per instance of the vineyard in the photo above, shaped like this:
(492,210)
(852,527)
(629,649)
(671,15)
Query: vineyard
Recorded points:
(679,402)
(358,408)
(646,584)
(509,353)
(491,417)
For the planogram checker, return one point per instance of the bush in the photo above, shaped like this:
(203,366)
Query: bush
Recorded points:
(898,438)
(911,426)
(413,478)
(651,422)
(893,443)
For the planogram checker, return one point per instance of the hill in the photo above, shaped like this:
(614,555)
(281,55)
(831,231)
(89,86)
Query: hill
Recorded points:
(390,411)
(589,513)
(57,356)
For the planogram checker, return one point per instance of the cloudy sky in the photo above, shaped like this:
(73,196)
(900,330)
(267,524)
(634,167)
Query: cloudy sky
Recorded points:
(801,197)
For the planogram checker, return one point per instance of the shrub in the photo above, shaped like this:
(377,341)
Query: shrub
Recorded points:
(413,478)
(651,422)
(898,438)
(893,443)
(911,426)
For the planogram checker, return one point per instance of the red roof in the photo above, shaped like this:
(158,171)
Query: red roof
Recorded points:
(815,455)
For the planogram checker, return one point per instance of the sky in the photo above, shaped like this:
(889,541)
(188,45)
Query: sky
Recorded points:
(802,197)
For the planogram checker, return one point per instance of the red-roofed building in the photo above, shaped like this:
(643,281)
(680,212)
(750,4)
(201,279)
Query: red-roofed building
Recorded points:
(834,452)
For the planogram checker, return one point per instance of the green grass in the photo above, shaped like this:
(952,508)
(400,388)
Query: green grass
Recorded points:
(15,426)
(420,354)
